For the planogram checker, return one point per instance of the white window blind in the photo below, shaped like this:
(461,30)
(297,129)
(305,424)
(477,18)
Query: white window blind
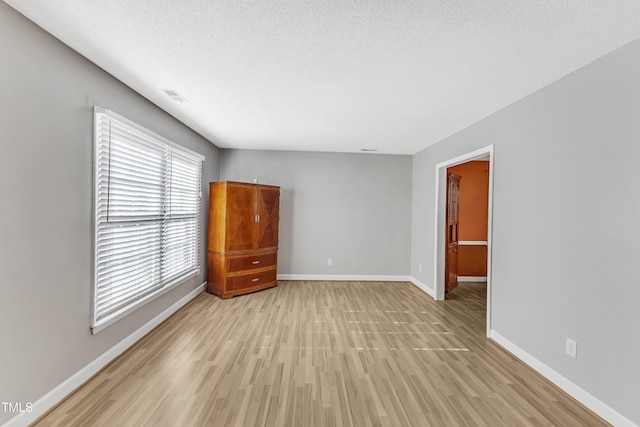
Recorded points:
(147,216)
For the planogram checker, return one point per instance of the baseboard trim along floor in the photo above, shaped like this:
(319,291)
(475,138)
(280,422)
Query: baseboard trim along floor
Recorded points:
(423,287)
(345,277)
(55,396)
(597,406)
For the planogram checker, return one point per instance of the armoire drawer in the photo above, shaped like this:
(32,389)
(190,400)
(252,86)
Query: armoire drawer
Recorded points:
(251,262)
(250,280)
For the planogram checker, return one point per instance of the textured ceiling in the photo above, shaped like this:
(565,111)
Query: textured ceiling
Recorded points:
(337,75)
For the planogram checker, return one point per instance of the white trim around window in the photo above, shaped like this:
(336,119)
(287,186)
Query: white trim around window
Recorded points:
(148,211)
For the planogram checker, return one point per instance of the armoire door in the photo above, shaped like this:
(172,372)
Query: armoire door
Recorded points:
(268,202)
(241,218)
(451,251)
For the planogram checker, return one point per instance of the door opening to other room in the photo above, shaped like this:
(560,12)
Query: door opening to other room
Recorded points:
(464,253)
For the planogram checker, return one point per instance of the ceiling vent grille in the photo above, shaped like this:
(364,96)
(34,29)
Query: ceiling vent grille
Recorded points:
(369,150)
(175,95)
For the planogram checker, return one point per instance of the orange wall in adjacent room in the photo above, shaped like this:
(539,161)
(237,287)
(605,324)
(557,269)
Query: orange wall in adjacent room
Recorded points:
(474,199)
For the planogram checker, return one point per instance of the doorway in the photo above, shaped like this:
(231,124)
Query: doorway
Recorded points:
(485,153)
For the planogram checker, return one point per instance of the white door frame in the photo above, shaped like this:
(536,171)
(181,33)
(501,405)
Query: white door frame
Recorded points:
(440,215)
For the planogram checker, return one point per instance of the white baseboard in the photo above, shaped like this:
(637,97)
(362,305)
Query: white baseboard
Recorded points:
(343,277)
(603,410)
(49,400)
(472,278)
(423,287)
(363,278)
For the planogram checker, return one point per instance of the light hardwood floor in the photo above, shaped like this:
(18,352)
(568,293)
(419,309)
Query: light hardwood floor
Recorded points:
(322,354)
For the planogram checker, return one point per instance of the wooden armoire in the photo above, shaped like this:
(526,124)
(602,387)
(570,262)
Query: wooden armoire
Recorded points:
(451,251)
(243,238)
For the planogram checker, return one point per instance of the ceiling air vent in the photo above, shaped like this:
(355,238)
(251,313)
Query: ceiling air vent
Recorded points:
(174,95)
(369,150)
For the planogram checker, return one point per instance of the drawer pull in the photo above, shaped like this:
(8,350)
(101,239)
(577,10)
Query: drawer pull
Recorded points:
(255,262)
(255,280)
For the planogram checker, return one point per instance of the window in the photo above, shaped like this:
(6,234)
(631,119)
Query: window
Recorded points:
(147,216)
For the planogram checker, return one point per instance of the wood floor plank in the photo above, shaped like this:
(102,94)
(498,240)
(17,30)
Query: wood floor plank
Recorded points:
(334,354)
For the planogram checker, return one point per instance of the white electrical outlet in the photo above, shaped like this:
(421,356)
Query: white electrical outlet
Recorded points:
(329,261)
(572,348)
(420,268)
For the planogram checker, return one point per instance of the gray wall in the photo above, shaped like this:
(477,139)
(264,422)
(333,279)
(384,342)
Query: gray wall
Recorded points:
(565,223)
(354,208)
(48,94)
